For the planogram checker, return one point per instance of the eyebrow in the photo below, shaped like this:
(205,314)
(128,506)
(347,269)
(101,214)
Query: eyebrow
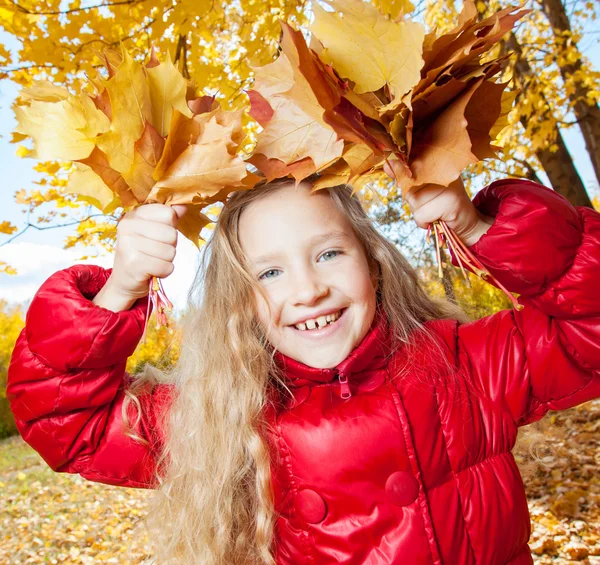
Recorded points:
(314,240)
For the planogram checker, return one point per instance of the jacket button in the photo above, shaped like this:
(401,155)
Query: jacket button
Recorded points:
(310,506)
(402,488)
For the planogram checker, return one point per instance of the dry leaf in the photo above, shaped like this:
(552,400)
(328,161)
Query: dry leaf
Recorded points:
(89,187)
(295,129)
(167,91)
(131,107)
(369,49)
(443,150)
(148,151)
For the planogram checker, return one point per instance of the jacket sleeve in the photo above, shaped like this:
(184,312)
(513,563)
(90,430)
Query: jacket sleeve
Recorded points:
(547,355)
(66,383)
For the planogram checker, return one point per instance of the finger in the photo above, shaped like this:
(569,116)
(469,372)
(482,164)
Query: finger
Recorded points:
(154,248)
(153,267)
(180,209)
(156,213)
(152,230)
(419,198)
(445,206)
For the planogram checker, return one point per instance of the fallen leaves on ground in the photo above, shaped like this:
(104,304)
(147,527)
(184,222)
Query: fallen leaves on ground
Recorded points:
(48,517)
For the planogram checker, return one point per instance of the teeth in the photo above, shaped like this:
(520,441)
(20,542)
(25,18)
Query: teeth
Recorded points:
(319,322)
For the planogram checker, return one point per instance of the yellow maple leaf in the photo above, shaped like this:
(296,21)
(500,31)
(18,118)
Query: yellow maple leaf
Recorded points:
(167,88)
(7,228)
(61,125)
(296,129)
(369,49)
(131,107)
(204,169)
(90,188)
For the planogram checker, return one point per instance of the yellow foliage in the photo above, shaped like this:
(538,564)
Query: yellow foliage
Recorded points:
(7,269)
(479,300)
(160,347)
(369,49)
(7,227)
(12,321)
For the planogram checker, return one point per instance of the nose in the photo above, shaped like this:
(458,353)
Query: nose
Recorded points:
(307,287)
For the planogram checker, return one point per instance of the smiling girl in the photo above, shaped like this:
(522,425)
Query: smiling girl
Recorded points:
(324,409)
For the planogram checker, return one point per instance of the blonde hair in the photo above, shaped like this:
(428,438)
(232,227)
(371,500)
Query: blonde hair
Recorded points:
(214,502)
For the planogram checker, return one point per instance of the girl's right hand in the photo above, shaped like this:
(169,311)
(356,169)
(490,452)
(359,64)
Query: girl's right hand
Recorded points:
(145,248)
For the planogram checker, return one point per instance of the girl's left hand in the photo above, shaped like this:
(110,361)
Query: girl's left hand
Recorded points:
(452,205)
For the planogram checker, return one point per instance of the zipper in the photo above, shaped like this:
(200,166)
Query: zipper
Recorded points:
(344,386)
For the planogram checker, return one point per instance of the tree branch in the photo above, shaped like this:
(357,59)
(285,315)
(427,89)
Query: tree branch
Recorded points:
(40,228)
(75,10)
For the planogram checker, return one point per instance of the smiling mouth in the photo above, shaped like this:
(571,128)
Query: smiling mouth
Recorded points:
(317,329)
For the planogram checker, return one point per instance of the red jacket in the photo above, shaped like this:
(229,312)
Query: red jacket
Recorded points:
(408,469)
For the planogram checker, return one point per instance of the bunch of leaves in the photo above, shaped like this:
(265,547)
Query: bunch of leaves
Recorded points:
(375,95)
(143,135)
(140,135)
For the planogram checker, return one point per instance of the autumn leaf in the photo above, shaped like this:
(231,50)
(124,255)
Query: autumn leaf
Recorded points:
(131,107)
(205,167)
(167,91)
(295,129)
(7,228)
(443,150)
(61,125)
(193,222)
(89,187)
(370,50)
(394,8)
(148,150)
(110,178)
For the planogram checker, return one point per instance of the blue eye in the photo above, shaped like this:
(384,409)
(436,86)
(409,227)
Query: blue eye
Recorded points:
(332,251)
(264,277)
(266,273)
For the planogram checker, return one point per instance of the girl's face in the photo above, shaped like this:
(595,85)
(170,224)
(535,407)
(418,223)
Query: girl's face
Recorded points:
(303,253)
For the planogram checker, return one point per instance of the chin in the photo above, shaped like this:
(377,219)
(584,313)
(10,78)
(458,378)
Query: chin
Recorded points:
(326,361)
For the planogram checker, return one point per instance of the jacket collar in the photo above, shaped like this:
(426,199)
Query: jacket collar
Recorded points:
(371,354)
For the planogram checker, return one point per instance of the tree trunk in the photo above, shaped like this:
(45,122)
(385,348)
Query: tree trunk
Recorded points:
(588,115)
(558,165)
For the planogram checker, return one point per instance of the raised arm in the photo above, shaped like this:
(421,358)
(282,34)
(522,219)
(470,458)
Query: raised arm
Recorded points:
(546,356)
(66,383)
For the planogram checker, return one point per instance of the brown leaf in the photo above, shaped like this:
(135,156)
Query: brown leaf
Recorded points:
(192,223)
(260,109)
(443,150)
(147,154)
(274,168)
(98,162)
(203,104)
(482,112)
(182,133)
(204,168)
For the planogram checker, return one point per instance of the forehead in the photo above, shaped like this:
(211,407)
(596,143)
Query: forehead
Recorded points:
(290,217)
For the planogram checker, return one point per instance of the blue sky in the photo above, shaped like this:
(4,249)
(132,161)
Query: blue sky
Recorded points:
(37,255)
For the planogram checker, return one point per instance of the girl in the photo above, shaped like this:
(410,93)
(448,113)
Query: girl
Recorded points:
(324,409)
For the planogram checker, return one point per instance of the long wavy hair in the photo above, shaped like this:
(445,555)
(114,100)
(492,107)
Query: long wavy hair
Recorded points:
(214,503)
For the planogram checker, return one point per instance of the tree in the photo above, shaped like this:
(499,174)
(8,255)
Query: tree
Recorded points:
(555,159)
(575,77)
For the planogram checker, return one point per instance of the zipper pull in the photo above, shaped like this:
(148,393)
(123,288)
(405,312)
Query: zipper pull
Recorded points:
(345,388)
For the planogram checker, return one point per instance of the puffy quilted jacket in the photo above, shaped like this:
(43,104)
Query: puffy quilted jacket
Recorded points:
(372,465)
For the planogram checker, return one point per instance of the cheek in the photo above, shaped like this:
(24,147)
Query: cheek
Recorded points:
(265,317)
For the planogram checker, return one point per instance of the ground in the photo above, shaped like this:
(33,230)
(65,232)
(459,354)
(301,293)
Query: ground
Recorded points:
(48,517)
